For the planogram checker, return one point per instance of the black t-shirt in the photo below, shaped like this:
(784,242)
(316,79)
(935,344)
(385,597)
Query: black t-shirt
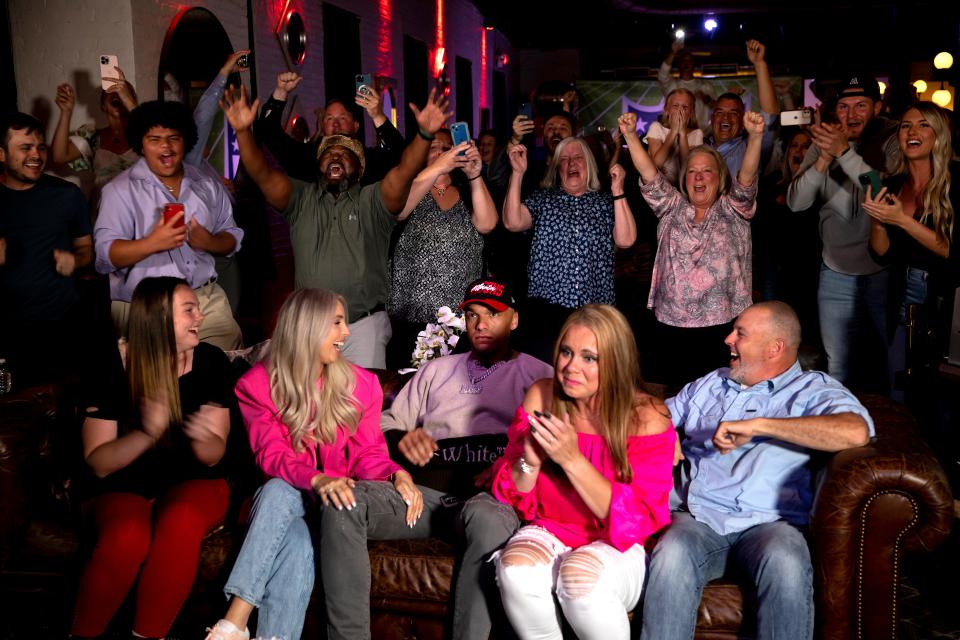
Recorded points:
(171,461)
(34,222)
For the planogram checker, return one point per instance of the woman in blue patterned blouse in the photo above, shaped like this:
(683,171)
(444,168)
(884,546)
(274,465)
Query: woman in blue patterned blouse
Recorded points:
(575,227)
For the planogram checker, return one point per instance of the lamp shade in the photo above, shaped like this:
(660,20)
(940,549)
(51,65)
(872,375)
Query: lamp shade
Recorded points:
(943,60)
(941,97)
(920,86)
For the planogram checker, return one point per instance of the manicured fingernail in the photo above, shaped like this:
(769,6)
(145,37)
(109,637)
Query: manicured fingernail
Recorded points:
(407,502)
(547,414)
(533,429)
(537,413)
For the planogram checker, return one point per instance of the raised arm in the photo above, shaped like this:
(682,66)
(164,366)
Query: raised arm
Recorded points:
(208,105)
(641,160)
(274,184)
(516,215)
(753,125)
(756,52)
(447,162)
(484,215)
(61,149)
(624,226)
(395,186)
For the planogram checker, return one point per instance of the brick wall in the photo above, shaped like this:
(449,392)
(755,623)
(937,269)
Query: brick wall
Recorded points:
(60,40)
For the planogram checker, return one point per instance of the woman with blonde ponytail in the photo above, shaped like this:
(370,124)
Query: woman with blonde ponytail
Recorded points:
(314,425)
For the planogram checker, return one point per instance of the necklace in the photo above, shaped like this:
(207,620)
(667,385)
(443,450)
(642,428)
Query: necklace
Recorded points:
(440,190)
(477,373)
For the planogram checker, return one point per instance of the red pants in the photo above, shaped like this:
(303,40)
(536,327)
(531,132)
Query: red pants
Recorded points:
(157,540)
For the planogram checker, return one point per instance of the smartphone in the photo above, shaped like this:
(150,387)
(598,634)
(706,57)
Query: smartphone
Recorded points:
(171,209)
(363,82)
(460,131)
(871,178)
(796,117)
(245,60)
(108,69)
(526,110)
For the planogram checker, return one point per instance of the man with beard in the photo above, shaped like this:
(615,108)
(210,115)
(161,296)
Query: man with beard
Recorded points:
(555,128)
(852,294)
(299,159)
(135,239)
(447,426)
(44,238)
(340,231)
(727,135)
(747,433)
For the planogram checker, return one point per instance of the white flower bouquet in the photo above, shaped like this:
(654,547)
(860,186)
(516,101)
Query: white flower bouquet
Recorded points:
(438,338)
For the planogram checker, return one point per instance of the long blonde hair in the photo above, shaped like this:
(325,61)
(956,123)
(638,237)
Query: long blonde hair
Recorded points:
(620,380)
(152,344)
(935,199)
(312,399)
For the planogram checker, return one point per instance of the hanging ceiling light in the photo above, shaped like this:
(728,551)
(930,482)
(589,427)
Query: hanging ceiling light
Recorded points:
(920,86)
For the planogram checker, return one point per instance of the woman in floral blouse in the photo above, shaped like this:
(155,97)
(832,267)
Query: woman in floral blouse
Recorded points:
(575,227)
(702,273)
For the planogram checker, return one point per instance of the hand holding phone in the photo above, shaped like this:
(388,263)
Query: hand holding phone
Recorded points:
(460,132)
(363,83)
(108,71)
(526,110)
(170,210)
(796,117)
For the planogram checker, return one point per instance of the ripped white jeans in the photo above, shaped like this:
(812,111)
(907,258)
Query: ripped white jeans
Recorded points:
(595,584)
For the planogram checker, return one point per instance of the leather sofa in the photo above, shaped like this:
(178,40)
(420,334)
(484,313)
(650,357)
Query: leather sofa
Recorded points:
(875,504)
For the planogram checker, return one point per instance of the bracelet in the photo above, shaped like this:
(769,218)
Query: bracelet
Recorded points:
(426,136)
(526,467)
(474,177)
(620,197)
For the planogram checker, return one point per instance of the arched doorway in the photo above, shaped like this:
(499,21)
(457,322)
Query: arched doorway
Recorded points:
(194,50)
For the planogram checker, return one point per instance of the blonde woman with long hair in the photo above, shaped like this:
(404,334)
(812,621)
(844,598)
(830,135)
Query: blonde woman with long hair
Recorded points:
(153,437)
(588,468)
(914,223)
(314,425)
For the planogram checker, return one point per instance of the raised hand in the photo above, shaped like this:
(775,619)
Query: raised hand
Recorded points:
(230,66)
(627,123)
(411,495)
(337,492)
(371,101)
(753,123)
(522,125)
(518,158)
(831,139)
(123,89)
(434,114)
(66,97)
(474,163)
(617,177)
(418,447)
(287,81)
(240,114)
(756,52)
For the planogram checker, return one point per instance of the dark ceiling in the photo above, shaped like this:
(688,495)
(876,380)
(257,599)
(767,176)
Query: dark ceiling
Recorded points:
(803,37)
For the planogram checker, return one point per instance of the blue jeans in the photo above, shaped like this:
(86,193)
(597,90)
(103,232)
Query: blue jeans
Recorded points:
(847,304)
(773,555)
(275,569)
(914,293)
(380,515)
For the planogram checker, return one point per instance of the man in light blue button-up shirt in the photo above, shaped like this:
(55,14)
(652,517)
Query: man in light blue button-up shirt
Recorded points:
(748,434)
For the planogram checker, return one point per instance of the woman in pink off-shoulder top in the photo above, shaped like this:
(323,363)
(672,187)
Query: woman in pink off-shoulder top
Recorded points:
(588,467)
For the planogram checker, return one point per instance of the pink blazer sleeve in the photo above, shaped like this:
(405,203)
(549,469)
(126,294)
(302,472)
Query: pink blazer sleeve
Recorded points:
(269,437)
(640,508)
(367,454)
(503,488)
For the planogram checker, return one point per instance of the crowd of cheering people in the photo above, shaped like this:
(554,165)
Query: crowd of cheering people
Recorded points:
(849,219)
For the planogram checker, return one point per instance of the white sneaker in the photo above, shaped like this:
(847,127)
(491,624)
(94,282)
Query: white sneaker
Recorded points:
(226,630)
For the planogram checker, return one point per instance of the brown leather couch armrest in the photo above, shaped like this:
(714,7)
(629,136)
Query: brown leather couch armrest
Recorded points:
(875,502)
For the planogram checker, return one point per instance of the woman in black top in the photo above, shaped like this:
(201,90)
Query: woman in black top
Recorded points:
(154,441)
